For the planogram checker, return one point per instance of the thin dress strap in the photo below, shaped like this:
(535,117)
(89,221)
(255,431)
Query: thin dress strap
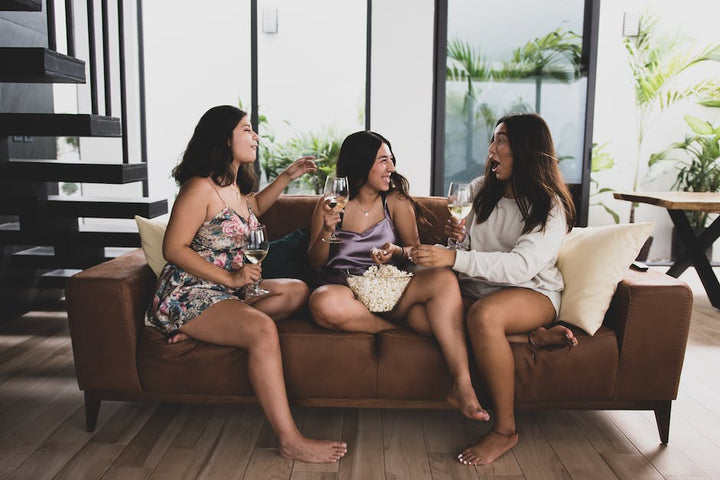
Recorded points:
(217,192)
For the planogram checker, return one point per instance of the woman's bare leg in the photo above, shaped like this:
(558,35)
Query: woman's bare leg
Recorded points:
(286,297)
(234,323)
(335,307)
(490,320)
(437,292)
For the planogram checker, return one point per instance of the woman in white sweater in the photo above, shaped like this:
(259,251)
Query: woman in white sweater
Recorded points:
(509,278)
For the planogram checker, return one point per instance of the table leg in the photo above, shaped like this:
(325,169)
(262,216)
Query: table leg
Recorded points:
(695,248)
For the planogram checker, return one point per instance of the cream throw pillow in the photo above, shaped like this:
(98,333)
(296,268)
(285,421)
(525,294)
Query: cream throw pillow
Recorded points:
(592,261)
(151,238)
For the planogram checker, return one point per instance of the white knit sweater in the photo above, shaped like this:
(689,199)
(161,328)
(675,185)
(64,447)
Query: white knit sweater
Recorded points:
(501,255)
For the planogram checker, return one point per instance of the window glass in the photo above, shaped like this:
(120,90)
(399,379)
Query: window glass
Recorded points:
(500,61)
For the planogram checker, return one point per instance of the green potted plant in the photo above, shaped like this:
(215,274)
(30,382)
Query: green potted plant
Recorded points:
(325,145)
(697,161)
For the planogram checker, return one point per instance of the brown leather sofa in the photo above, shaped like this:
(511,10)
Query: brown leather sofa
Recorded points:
(633,362)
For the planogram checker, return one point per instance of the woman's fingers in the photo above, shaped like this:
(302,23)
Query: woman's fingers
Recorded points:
(432,256)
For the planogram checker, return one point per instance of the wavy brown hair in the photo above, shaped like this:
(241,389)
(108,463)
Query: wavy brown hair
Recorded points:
(536,181)
(209,155)
(356,158)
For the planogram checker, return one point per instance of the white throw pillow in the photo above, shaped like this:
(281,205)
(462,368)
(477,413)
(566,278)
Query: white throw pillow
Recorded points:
(151,238)
(592,261)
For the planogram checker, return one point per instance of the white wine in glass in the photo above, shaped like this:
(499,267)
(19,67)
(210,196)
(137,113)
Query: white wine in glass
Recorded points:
(459,205)
(257,245)
(336,196)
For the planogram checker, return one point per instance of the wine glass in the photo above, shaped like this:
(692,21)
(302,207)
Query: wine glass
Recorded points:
(336,195)
(459,204)
(256,247)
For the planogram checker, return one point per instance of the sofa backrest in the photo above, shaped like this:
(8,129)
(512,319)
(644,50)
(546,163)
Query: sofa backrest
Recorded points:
(291,212)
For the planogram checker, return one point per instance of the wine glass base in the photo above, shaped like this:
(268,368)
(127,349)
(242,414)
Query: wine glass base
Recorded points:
(256,293)
(332,240)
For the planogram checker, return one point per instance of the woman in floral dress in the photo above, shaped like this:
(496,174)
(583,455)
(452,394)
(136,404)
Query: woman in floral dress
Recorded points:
(200,291)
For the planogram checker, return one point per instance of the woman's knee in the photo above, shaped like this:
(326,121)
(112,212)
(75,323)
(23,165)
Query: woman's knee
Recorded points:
(483,318)
(293,293)
(440,282)
(263,333)
(297,292)
(326,309)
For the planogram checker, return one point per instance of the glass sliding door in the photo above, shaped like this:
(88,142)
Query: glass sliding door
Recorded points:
(311,82)
(503,57)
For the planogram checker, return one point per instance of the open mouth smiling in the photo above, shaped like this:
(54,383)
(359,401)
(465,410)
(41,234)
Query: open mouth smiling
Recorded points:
(494,164)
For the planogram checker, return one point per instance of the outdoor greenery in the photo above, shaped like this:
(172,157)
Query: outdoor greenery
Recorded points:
(555,55)
(324,145)
(275,156)
(659,63)
(697,161)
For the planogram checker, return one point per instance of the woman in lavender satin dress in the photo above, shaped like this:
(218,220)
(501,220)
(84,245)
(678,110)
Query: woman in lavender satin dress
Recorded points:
(379,225)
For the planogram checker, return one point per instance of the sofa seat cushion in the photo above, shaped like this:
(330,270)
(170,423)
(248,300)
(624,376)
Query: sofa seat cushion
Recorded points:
(191,367)
(411,367)
(321,363)
(585,372)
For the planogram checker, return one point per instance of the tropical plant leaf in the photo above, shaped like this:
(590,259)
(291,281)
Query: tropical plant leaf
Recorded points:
(611,212)
(699,126)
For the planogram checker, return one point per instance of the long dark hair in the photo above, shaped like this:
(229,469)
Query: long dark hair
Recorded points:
(356,158)
(536,180)
(209,155)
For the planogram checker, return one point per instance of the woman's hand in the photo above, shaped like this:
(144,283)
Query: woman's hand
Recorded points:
(456,229)
(432,256)
(246,275)
(385,253)
(300,167)
(331,216)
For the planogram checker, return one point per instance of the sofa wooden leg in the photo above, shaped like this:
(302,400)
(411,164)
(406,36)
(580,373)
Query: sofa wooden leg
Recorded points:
(662,417)
(92,409)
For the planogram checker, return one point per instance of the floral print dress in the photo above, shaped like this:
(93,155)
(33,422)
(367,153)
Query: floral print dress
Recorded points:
(181,296)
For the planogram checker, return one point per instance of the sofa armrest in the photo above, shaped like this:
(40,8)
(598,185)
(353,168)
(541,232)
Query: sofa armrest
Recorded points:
(650,314)
(106,306)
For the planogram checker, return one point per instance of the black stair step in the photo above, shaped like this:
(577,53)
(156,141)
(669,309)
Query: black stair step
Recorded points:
(44,257)
(39,65)
(106,207)
(109,235)
(94,235)
(57,171)
(59,125)
(56,278)
(21,5)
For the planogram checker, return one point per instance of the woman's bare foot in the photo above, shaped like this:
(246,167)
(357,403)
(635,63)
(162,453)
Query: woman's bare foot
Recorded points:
(489,449)
(463,398)
(313,451)
(555,336)
(178,337)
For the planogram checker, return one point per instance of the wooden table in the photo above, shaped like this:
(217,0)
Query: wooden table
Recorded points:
(677,203)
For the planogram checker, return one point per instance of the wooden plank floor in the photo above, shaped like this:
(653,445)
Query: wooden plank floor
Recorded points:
(42,434)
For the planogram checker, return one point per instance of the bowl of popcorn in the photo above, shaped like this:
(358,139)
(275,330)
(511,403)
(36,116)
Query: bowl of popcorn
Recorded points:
(380,287)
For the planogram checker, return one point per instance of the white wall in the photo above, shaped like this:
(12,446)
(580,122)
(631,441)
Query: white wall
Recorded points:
(402,84)
(196,57)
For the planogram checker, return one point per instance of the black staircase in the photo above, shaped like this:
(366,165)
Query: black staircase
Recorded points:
(41,231)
